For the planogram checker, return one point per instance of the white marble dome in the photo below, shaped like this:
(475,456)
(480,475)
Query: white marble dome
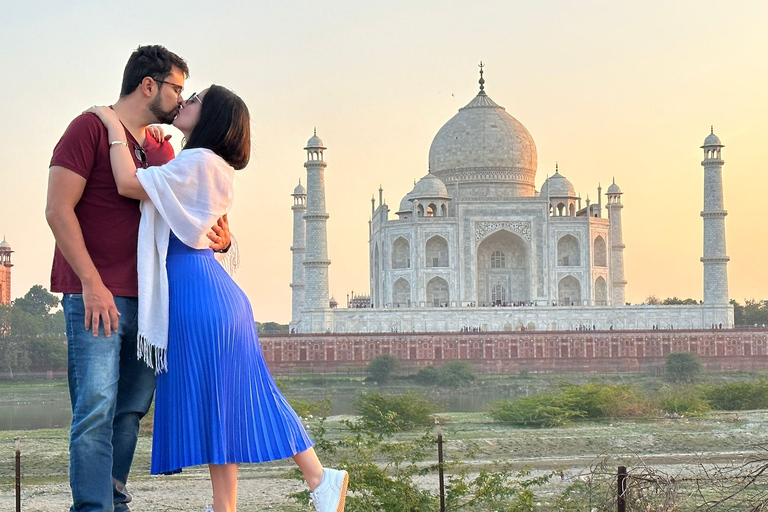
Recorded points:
(484,143)
(299,190)
(5,245)
(315,142)
(557,185)
(712,140)
(429,187)
(614,189)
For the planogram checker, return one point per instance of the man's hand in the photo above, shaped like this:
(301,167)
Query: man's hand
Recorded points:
(100,307)
(219,235)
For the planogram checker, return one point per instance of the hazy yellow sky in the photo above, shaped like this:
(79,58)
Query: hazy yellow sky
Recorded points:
(606,88)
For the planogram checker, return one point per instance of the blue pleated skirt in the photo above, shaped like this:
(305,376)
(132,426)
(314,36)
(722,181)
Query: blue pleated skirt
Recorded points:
(218,402)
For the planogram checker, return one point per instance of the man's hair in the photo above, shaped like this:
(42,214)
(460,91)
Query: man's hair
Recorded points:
(154,61)
(224,127)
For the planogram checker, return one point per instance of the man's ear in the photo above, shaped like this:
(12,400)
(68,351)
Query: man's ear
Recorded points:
(147,87)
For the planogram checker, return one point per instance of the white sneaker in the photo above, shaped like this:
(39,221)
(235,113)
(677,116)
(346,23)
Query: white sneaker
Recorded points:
(331,494)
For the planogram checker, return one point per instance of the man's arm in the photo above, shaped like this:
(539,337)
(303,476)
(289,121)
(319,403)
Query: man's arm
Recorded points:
(65,187)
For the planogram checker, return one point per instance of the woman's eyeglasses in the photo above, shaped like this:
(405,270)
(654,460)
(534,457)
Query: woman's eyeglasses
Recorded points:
(193,98)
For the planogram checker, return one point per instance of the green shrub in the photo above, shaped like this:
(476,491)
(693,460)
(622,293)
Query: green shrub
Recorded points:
(427,376)
(393,413)
(680,400)
(586,401)
(536,411)
(683,367)
(456,374)
(307,409)
(382,368)
(738,396)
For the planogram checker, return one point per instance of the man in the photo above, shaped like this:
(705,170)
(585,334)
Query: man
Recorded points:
(94,266)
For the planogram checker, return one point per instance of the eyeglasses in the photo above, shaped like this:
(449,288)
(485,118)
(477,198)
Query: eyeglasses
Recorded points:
(141,155)
(178,89)
(193,98)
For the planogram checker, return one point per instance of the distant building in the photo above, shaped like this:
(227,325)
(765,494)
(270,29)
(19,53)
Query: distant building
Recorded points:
(5,272)
(474,246)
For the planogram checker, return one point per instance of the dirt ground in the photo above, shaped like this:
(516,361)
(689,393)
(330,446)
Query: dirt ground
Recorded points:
(677,446)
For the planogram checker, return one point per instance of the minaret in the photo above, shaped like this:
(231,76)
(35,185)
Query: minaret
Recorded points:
(298,248)
(617,245)
(316,262)
(715,261)
(5,273)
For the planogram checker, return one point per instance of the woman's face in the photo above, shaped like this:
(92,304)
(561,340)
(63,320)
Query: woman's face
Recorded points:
(190,113)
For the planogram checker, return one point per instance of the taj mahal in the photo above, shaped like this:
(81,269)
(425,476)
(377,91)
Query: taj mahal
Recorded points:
(474,246)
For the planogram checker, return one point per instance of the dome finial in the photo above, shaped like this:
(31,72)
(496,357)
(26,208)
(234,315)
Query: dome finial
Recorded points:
(557,170)
(482,80)
(711,129)
(315,130)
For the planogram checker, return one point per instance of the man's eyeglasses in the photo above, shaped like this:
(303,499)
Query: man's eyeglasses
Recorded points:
(141,155)
(193,98)
(178,89)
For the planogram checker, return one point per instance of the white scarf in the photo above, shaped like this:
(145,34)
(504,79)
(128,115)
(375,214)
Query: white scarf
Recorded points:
(187,196)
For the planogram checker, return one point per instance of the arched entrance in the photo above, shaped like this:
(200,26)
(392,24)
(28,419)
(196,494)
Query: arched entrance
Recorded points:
(503,270)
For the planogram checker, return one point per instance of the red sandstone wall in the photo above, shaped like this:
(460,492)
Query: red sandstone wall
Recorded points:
(498,352)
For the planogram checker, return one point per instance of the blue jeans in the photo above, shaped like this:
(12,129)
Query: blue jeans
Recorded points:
(110,390)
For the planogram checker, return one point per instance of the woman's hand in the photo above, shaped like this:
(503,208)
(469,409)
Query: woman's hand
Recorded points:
(107,116)
(157,133)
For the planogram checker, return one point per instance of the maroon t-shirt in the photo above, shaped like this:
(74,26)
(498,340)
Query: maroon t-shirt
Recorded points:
(109,221)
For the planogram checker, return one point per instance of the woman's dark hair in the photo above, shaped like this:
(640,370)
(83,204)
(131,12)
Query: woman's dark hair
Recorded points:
(224,127)
(154,61)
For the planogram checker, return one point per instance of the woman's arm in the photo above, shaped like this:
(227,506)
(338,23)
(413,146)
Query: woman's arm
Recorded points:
(123,167)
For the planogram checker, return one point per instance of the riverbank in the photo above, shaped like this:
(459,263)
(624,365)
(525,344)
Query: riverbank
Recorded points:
(675,446)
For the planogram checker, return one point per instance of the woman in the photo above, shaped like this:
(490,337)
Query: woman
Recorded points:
(216,401)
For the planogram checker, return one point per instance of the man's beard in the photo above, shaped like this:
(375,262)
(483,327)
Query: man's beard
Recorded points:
(161,115)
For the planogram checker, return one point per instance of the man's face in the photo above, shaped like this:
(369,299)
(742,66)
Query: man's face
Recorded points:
(165,105)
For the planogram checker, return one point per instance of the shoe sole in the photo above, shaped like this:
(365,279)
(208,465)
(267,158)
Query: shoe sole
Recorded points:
(343,499)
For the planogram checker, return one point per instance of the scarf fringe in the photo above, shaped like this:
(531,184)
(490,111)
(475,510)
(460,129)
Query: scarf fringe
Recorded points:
(155,357)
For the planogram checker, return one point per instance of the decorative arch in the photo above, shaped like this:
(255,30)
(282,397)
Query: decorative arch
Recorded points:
(503,263)
(569,291)
(601,292)
(436,252)
(401,253)
(599,252)
(437,292)
(401,293)
(443,210)
(376,277)
(568,251)
(432,210)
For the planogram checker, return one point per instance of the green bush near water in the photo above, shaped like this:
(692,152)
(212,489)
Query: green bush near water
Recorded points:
(571,402)
(456,374)
(738,396)
(385,413)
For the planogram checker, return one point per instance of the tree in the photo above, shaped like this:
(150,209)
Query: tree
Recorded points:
(683,367)
(652,300)
(674,301)
(382,367)
(38,301)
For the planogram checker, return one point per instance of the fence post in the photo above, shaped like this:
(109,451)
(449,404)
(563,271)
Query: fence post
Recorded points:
(621,489)
(440,467)
(18,474)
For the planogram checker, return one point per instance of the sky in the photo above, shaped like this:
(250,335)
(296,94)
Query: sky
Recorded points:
(608,89)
